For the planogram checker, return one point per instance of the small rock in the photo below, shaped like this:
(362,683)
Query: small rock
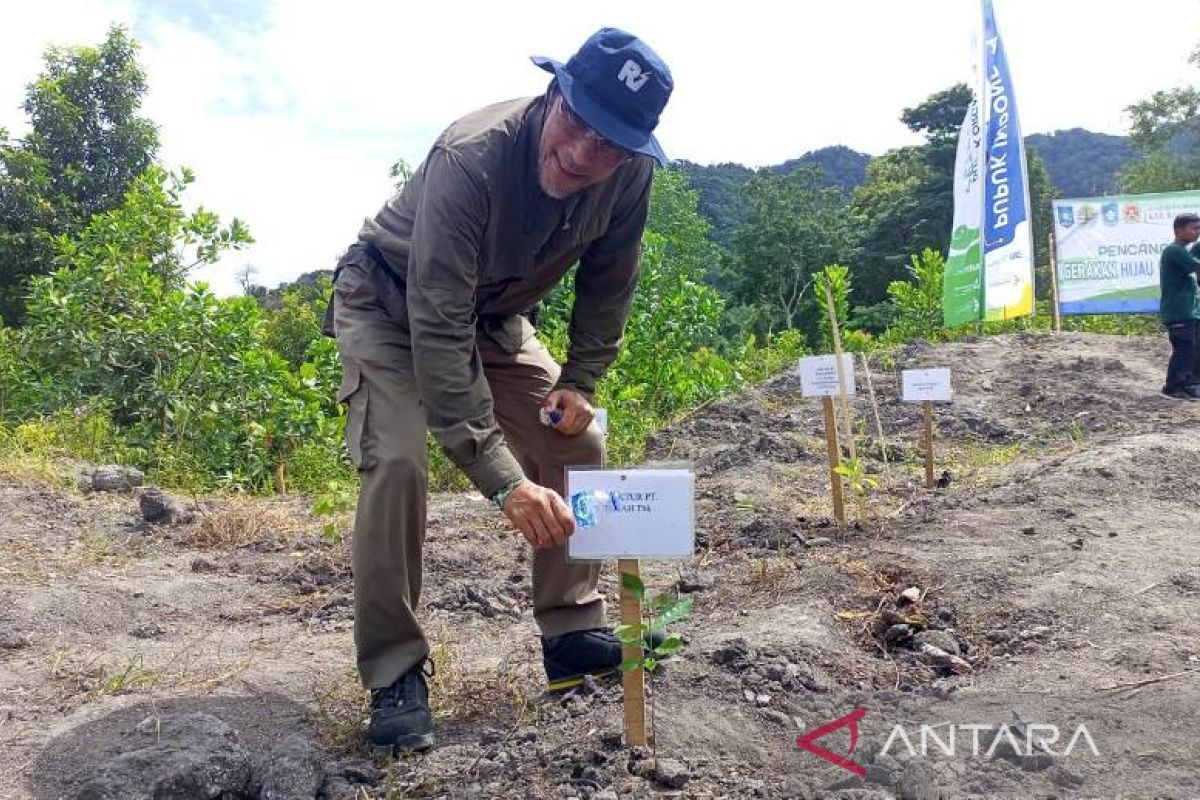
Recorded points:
(778,717)
(639,753)
(642,769)
(818,541)
(671,773)
(605,794)
(761,700)
(203,565)
(939,639)
(911,595)
(897,633)
(115,478)
(1029,530)
(940,658)
(359,770)
(589,686)
(612,739)
(1077,544)
(735,654)
(12,640)
(749,695)
(156,506)
(147,630)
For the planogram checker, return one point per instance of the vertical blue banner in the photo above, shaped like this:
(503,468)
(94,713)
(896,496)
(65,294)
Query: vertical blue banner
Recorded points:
(1007,233)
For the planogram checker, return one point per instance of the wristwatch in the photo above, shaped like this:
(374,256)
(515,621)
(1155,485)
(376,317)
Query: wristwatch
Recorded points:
(501,496)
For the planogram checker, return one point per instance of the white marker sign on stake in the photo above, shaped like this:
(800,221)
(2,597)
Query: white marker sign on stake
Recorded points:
(819,376)
(639,513)
(922,385)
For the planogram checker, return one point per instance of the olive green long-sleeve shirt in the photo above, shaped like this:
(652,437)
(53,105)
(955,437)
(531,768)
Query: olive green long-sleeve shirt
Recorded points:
(473,242)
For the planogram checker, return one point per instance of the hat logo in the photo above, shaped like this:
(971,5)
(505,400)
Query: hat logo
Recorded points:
(633,76)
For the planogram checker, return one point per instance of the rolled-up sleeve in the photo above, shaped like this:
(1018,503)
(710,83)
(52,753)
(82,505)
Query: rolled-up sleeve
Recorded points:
(604,286)
(442,271)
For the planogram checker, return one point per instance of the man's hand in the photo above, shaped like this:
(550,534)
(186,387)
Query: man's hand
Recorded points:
(576,412)
(540,514)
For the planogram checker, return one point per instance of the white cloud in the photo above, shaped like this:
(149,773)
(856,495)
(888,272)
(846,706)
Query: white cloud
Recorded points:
(291,123)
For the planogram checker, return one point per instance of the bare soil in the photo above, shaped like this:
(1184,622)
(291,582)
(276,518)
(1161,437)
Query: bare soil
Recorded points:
(1060,559)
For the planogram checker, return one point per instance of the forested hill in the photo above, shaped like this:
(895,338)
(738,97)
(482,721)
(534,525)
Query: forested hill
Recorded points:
(1080,163)
(719,184)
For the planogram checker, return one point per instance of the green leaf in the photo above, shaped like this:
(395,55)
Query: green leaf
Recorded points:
(670,646)
(630,664)
(650,664)
(630,633)
(633,584)
(677,611)
(660,602)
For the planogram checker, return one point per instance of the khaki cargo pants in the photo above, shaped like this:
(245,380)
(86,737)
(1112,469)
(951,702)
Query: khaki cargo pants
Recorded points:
(386,437)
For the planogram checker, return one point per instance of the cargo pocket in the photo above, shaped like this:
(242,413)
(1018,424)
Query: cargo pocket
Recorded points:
(353,392)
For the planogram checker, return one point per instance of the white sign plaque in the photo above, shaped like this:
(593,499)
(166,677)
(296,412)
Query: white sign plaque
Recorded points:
(926,384)
(635,513)
(819,376)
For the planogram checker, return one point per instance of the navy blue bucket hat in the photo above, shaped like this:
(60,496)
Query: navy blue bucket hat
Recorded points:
(618,86)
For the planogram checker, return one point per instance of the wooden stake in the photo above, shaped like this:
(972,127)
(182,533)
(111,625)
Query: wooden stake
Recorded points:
(843,390)
(875,408)
(835,459)
(1054,283)
(633,681)
(929,484)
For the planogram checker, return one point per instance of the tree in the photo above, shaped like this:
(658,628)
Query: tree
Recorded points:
(86,144)
(1165,131)
(1081,163)
(1041,215)
(794,227)
(908,198)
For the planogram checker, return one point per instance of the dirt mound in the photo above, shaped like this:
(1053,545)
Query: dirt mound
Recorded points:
(1049,585)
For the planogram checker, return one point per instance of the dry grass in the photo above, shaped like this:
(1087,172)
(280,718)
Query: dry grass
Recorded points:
(25,562)
(339,706)
(771,574)
(93,548)
(339,709)
(23,468)
(458,694)
(242,522)
(82,675)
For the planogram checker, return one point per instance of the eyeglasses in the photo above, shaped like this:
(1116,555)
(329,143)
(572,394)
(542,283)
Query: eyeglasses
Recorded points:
(577,128)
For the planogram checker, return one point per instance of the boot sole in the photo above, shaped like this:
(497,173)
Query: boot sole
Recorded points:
(570,682)
(413,743)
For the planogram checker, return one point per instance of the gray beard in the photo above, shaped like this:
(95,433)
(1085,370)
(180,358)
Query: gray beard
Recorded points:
(550,191)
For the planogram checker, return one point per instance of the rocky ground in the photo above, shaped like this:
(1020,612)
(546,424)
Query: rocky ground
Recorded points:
(1053,580)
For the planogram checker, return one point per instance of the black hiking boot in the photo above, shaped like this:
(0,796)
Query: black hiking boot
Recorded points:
(571,656)
(400,716)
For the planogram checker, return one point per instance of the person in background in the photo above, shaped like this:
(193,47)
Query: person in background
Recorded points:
(1179,308)
(429,313)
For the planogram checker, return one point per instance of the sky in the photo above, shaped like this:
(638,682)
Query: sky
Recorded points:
(290,112)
